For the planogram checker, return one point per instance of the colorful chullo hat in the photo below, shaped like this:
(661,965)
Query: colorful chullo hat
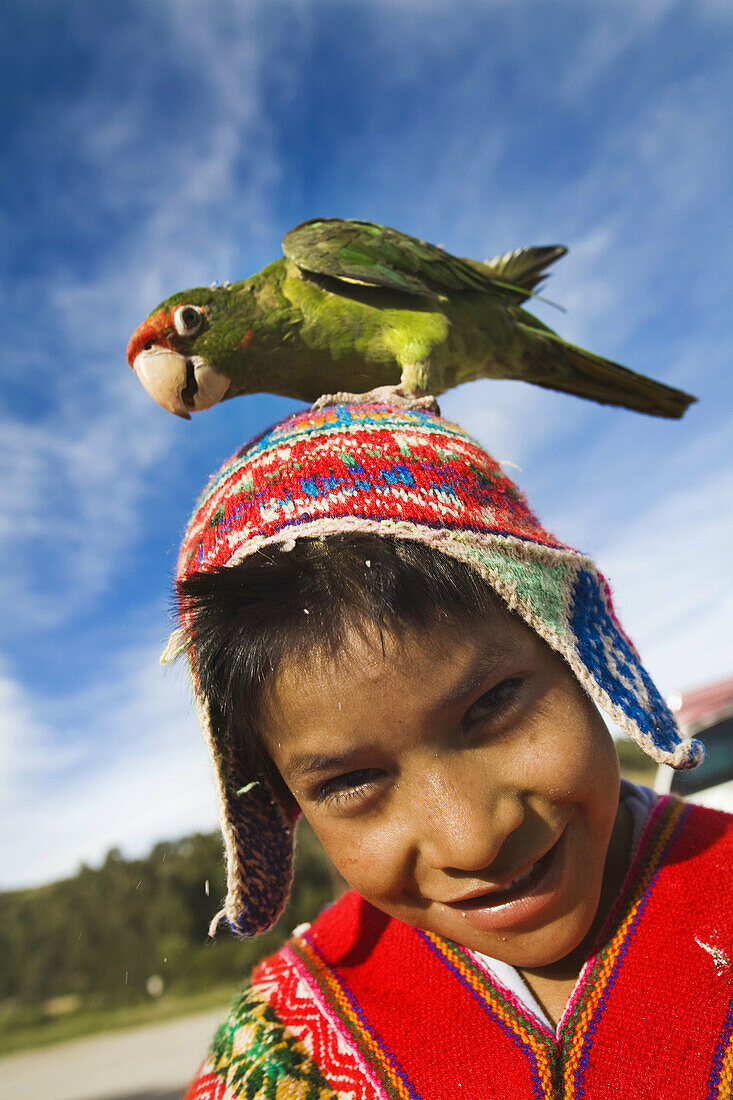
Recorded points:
(410,475)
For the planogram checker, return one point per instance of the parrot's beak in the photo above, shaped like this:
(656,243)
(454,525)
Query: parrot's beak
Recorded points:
(181,384)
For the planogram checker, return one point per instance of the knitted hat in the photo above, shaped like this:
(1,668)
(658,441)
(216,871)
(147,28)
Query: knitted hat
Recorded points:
(410,475)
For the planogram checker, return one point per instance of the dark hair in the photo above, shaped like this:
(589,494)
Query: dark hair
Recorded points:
(244,620)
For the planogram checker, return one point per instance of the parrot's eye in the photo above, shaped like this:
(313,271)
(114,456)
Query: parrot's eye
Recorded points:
(187,320)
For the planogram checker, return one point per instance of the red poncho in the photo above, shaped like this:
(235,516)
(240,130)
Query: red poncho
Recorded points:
(362,1006)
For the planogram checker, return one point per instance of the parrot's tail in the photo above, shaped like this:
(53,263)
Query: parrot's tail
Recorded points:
(520,271)
(549,361)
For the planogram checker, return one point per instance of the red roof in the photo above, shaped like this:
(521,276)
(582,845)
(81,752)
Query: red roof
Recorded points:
(706,705)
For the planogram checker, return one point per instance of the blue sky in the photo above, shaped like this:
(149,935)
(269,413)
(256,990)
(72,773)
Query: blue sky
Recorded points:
(153,146)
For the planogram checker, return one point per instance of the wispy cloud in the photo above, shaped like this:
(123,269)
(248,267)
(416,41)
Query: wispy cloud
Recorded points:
(669,569)
(70,504)
(611,33)
(125,766)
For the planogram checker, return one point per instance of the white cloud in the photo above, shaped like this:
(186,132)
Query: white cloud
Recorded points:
(70,501)
(125,766)
(671,574)
(618,25)
(24,742)
(505,417)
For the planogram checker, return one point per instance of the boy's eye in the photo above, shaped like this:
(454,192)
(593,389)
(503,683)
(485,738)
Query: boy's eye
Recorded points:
(346,786)
(493,703)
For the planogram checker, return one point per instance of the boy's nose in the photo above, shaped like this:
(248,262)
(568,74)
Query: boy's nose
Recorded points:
(465,830)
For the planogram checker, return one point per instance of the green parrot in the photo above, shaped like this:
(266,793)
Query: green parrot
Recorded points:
(359,306)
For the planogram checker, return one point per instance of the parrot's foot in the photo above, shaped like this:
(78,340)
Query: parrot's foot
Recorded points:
(395,396)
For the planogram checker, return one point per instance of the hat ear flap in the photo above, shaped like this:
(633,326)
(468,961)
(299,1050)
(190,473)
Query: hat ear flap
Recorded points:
(563,597)
(613,665)
(263,842)
(258,830)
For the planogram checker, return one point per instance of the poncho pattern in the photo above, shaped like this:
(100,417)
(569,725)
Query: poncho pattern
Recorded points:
(363,1007)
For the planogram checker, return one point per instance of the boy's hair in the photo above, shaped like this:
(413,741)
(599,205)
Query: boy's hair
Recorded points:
(277,604)
(305,506)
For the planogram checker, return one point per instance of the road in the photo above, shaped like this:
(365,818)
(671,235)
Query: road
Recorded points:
(144,1063)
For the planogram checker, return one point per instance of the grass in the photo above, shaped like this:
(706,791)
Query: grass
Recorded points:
(90,1021)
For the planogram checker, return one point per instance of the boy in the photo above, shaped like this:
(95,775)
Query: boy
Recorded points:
(384,637)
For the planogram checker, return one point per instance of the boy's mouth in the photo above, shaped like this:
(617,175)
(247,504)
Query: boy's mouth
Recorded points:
(526,890)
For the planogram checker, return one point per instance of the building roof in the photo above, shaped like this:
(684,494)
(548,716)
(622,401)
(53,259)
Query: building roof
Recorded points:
(703,707)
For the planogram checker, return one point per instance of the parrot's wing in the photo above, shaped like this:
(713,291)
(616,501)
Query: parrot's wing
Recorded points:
(374,255)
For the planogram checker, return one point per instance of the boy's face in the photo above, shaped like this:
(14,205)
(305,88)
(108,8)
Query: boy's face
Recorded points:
(460,780)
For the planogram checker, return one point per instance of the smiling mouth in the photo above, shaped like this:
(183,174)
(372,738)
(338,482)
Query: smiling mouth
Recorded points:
(516,888)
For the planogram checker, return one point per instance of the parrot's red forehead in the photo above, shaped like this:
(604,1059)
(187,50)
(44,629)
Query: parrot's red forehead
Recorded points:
(156,330)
